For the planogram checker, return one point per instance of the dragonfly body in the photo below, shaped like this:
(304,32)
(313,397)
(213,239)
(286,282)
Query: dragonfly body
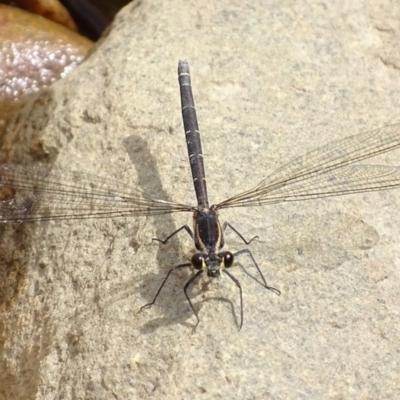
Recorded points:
(207,231)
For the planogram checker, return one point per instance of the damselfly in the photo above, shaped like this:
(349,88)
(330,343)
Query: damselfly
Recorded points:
(38,192)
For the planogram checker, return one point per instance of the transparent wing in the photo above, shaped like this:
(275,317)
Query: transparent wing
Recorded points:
(41,192)
(327,171)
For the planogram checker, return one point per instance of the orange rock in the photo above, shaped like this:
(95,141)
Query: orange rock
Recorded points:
(50,9)
(34,53)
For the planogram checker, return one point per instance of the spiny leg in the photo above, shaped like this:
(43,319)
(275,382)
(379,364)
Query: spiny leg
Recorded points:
(163,283)
(185,288)
(247,251)
(247,242)
(241,296)
(186,227)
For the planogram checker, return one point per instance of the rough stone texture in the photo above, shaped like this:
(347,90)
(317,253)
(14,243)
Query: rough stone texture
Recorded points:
(271,81)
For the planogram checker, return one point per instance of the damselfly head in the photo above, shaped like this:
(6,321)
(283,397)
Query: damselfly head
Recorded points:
(212,263)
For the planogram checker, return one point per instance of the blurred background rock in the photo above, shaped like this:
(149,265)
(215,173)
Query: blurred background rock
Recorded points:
(43,41)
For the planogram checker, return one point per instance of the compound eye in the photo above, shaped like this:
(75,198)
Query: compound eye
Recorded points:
(198,260)
(228,258)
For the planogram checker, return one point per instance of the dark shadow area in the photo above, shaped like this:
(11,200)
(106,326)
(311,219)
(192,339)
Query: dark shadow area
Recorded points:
(169,254)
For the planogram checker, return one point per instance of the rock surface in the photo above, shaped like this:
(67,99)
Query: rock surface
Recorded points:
(270,83)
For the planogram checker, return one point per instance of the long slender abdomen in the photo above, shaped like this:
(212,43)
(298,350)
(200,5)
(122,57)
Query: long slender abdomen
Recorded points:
(192,133)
